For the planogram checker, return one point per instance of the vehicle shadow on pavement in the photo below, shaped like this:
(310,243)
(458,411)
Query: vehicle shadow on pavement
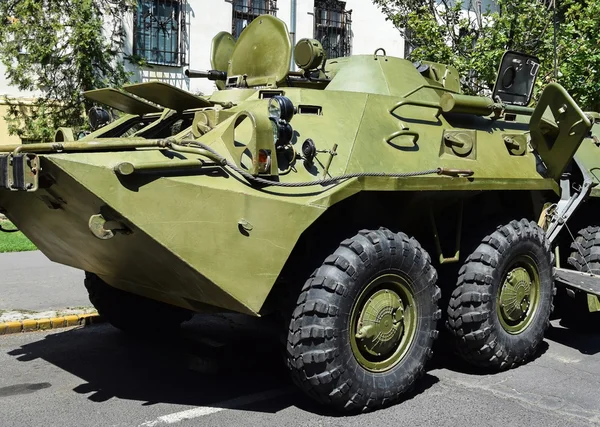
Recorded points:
(583,337)
(203,365)
(213,361)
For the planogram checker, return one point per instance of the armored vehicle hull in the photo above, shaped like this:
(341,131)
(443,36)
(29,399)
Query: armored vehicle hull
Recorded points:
(348,197)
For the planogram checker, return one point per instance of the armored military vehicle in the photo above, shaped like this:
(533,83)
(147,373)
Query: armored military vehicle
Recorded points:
(348,196)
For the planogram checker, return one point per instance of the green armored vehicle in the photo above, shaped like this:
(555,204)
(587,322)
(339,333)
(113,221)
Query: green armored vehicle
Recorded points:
(359,197)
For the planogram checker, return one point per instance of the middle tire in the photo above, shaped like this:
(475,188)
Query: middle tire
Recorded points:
(365,322)
(502,303)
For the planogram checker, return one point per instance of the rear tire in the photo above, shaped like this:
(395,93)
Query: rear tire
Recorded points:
(132,313)
(365,322)
(501,306)
(585,256)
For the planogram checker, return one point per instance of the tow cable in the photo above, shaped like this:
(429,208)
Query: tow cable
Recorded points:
(327,181)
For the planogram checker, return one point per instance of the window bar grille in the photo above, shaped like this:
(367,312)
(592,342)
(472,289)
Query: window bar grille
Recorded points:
(183,33)
(245,11)
(333,27)
(160,31)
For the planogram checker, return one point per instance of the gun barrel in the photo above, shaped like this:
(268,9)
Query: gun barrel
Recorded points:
(196,74)
(210,74)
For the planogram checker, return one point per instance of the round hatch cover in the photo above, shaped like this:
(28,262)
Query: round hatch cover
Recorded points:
(220,53)
(263,50)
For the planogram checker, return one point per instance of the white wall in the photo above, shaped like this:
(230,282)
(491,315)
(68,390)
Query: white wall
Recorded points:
(369,28)
(206,18)
(12,91)
(370,31)
(210,17)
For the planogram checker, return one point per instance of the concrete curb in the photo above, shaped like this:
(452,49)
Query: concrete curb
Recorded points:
(31,325)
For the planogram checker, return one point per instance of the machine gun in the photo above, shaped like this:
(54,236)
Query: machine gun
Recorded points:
(210,74)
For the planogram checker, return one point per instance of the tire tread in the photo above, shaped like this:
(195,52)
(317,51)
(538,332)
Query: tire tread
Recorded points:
(468,308)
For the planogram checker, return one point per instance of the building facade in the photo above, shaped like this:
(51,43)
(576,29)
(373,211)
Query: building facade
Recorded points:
(173,35)
(343,27)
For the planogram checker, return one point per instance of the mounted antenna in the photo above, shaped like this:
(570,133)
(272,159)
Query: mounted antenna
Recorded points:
(555,48)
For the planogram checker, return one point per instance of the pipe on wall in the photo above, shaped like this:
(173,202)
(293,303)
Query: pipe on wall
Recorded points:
(293,8)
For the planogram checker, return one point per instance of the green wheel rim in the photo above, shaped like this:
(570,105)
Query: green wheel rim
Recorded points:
(383,322)
(519,297)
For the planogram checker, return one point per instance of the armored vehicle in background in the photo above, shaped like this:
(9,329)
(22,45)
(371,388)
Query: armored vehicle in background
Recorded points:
(349,197)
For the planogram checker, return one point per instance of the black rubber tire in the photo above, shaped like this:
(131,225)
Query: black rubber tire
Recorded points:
(473,319)
(132,313)
(585,256)
(319,352)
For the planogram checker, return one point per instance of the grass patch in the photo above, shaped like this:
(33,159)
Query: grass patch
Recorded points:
(14,242)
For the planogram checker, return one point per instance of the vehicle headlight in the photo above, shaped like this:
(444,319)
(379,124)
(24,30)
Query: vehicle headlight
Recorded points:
(282,132)
(275,129)
(274,109)
(281,108)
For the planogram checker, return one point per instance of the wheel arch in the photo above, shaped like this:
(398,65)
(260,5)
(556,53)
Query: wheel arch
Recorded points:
(400,211)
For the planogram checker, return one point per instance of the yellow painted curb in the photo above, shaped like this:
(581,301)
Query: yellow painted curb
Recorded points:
(30,325)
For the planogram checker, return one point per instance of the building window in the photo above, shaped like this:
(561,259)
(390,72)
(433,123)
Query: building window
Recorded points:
(160,31)
(244,12)
(333,27)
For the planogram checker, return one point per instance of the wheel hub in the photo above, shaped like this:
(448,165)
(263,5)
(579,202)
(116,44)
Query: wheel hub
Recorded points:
(381,323)
(516,294)
(519,296)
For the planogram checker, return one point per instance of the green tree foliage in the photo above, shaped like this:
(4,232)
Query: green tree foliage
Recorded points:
(474,40)
(61,47)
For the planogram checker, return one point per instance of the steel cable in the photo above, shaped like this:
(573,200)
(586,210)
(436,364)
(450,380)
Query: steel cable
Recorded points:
(325,181)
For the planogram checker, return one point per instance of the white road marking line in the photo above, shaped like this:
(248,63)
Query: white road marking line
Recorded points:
(563,359)
(201,411)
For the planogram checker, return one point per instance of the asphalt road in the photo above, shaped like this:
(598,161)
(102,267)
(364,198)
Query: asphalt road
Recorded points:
(226,371)
(30,281)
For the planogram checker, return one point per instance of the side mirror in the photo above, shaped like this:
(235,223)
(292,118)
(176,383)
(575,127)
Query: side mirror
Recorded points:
(516,78)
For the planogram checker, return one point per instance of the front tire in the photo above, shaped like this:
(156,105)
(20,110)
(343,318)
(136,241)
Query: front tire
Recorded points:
(132,313)
(365,321)
(502,303)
